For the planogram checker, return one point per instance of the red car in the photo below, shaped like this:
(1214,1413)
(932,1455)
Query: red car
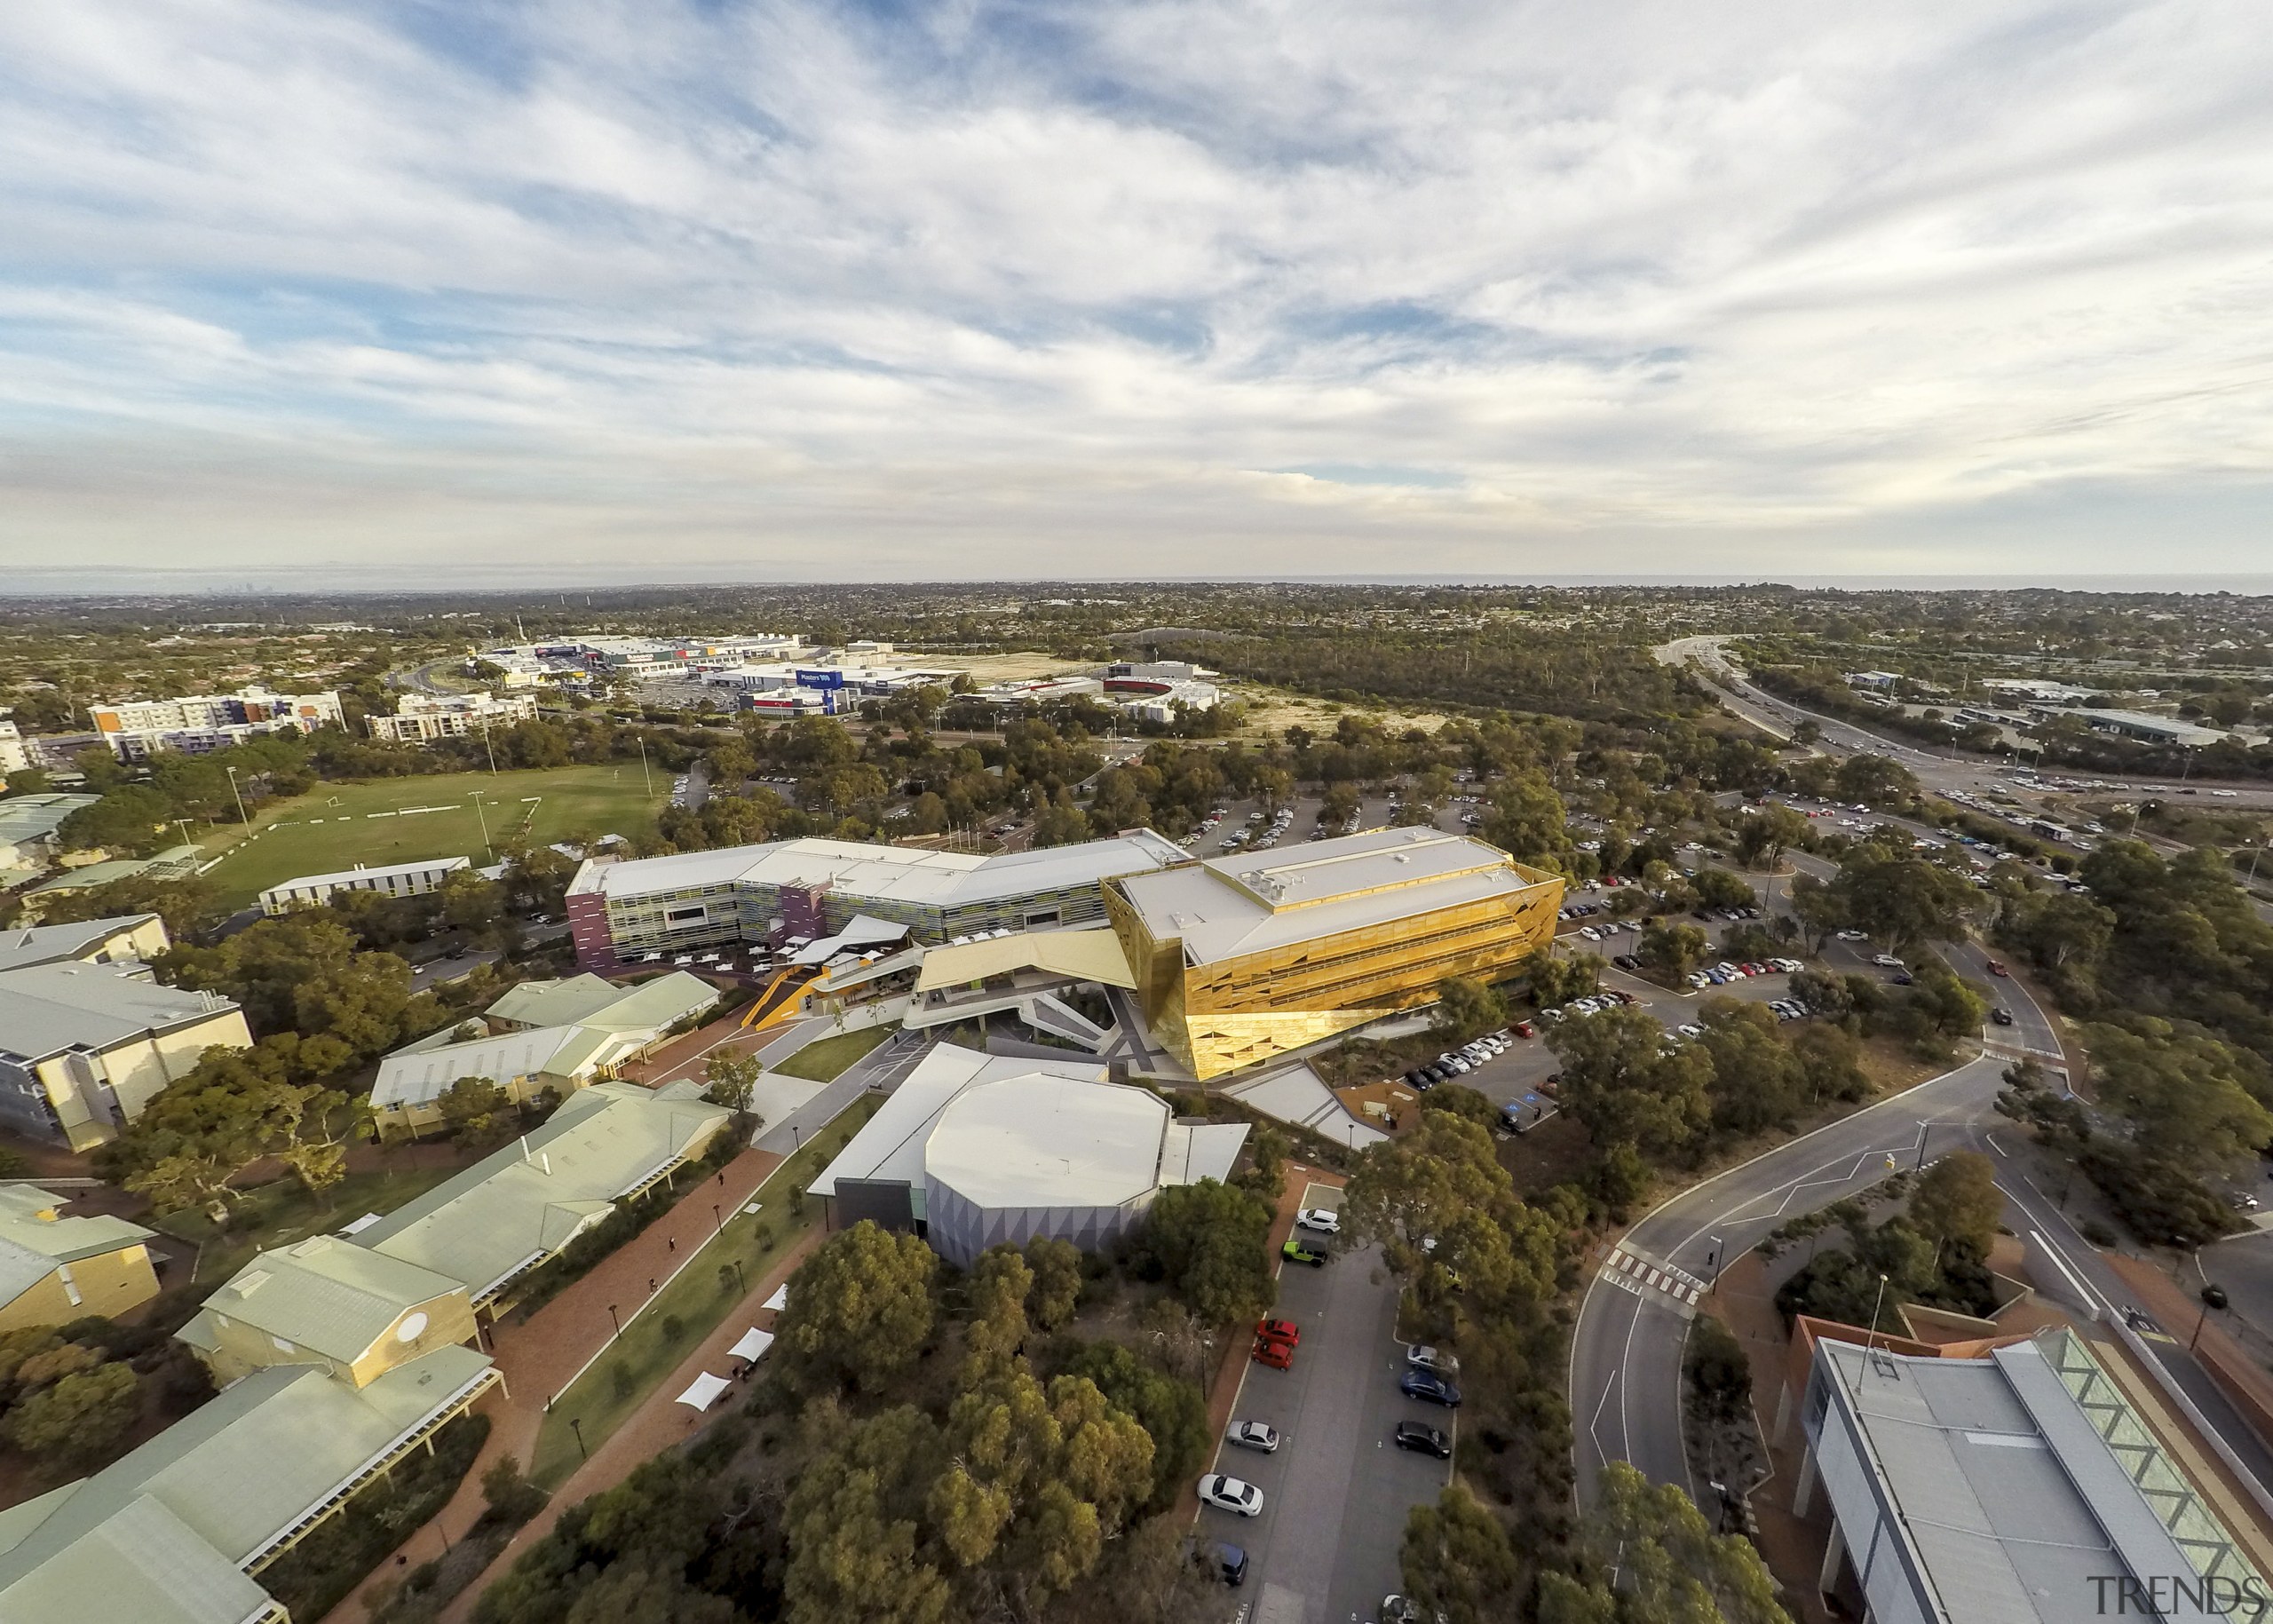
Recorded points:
(1277,1355)
(1278,1330)
(1524,1029)
(1997,967)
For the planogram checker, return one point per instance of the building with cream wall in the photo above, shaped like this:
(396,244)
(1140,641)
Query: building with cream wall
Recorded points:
(84,1046)
(420,717)
(325,1301)
(56,1268)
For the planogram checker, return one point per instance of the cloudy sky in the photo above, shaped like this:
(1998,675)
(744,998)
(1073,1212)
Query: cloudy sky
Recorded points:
(697,289)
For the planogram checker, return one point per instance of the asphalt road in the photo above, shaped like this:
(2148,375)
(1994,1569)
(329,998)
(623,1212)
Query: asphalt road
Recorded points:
(1336,1492)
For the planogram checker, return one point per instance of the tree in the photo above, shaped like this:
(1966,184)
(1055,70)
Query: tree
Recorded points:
(1831,1062)
(1623,1083)
(1558,980)
(1466,1008)
(1897,899)
(472,904)
(1674,950)
(731,1078)
(1718,888)
(72,1425)
(1756,1079)
(1719,1373)
(303,972)
(1957,1199)
(1819,909)
(1457,1562)
(2191,1099)
(1526,820)
(1209,1242)
(228,1111)
(1940,1004)
(1056,1266)
(1445,1214)
(860,1311)
(997,1292)
(1174,1412)
(1670,1565)
(471,1107)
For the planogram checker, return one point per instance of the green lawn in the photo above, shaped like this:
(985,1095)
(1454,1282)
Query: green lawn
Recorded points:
(822,1061)
(677,1318)
(278,1213)
(337,826)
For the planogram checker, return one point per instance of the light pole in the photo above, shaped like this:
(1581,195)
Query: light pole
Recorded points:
(645,777)
(576,1426)
(240,794)
(485,745)
(719,1217)
(1712,1262)
(485,825)
(613,1320)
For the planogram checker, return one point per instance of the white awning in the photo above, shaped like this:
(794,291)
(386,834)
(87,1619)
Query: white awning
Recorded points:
(753,1344)
(780,1299)
(705,1390)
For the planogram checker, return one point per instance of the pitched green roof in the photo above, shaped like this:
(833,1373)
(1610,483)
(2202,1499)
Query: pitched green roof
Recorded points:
(216,1490)
(325,1294)
(31,1246)
(525,1202)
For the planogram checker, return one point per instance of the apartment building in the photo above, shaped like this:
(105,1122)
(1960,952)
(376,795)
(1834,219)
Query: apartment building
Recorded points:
(193,725)
(421,718)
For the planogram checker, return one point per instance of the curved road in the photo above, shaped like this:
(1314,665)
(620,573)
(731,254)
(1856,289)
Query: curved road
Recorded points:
(1625,1351)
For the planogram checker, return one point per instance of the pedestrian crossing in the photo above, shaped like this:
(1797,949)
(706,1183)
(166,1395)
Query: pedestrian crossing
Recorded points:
(1646,1277)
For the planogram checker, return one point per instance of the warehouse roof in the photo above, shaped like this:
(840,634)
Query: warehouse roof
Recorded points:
(28,945)
(521,1205)
(1042,1141)
(231,1477)
(898,873)
(45,1009)
(1088,956)
(2003,1481)
(330,1296)
(419,1076)
(1226,907)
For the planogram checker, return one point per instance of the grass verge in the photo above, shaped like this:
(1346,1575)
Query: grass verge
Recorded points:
(826,1060)
(677,1319)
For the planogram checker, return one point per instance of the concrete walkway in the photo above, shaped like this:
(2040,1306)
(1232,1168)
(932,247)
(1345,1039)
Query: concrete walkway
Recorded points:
(541,1357)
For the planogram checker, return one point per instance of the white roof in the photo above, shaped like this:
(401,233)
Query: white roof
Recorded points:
(1042,1141)
(891,1145)
(895,874)
(1229,906)
(418,1077)
(427,866)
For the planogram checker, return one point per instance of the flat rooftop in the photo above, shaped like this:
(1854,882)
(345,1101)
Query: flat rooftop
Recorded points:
(1227,906)
(341,877)
(895,873)
(2018,1479)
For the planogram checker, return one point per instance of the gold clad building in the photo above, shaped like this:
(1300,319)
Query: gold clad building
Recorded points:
(1243,957)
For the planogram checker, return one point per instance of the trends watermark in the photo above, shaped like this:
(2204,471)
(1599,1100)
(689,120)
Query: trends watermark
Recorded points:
(2164,1596)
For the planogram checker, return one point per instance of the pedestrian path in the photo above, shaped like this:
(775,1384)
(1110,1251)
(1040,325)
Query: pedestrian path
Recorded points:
(1631,1269)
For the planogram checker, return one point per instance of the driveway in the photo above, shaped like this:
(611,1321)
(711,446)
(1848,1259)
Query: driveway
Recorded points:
(1336,1492)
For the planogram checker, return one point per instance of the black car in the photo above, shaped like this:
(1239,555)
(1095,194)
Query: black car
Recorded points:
(1429,1386)
(1626,961)
(1414,1077)
(1424,1439)
(2003,1017)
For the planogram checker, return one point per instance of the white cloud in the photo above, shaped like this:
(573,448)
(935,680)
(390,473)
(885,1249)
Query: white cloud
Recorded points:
(992,289)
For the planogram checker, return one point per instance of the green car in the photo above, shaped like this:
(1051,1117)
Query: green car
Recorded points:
(1303,1252)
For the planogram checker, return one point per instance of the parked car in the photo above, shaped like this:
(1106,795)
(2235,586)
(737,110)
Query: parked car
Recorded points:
(1279,1330)
(1303,1252)
(1277,1355)
(1429,1388)
(1422,1357)
(1324,1220)
(1231,1494)
(1254,1435)
(1886,960)
(1524,1029)
(1423,1439)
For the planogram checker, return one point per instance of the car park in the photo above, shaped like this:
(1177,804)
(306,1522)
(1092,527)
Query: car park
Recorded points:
(1423,1439)
(1231,1494)
(1254,1435)
(1429,1388)
(1303,1252)
(1324,1220)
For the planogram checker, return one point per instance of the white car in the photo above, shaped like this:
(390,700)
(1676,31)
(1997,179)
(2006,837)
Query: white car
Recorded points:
(1421,1356)
(1853,936)
(1324,1220)
(1886,960)
(1231,1494)
(1254,1435)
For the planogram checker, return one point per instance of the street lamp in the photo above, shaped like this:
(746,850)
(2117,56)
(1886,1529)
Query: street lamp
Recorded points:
(715,1212)
(485,825)
(1712,1262)
(576,1426)
(240,794)
(613,1320)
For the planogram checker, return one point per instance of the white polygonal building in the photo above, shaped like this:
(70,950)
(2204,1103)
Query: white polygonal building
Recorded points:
(976,1150)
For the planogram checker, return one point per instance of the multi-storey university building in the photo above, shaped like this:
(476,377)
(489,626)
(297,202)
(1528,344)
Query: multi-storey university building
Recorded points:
(1239,958)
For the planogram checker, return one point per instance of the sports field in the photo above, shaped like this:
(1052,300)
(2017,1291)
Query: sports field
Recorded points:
(404,819)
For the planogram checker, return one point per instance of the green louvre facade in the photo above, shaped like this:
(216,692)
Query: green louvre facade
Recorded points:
(618,912)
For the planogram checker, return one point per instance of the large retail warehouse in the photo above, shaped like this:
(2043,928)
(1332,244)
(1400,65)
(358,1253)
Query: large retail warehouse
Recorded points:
(1240,958)
(814,888)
